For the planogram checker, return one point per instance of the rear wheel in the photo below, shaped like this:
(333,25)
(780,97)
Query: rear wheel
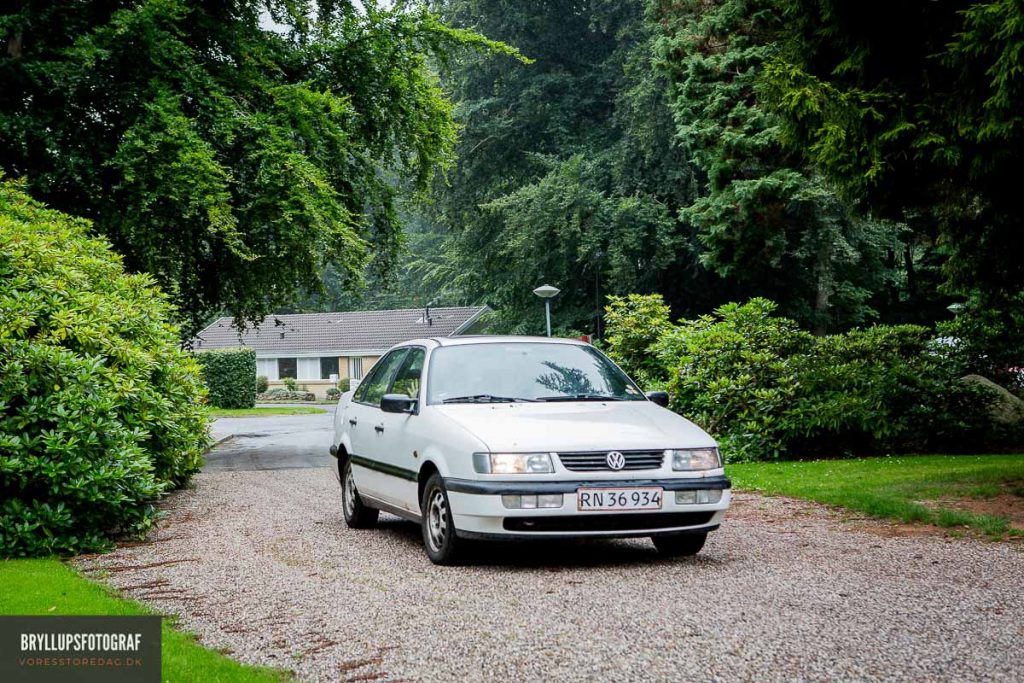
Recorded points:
(442,544)
(679,545)
(357,514)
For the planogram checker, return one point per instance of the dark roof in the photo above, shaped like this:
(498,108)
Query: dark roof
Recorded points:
(368,331)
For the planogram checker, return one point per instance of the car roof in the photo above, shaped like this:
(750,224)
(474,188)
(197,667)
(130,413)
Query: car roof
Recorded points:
(464,340)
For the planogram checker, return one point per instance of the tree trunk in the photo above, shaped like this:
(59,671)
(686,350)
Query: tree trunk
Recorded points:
(14,45)
(14,42)
(908,256)
(823,290)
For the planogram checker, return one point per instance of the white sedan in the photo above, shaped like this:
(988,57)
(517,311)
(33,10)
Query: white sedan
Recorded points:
(522,438)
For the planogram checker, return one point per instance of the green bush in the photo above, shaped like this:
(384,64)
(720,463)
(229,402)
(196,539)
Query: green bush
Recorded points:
(344,384)
(100,410)
(733,374)
(262,383)
(635,324)
(767,389)
(333,393)
(987,339)
(230,376)
(883,388)
(291,383)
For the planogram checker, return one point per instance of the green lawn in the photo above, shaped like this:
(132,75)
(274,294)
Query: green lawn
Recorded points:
(910,489)
(49,587)
(261,411)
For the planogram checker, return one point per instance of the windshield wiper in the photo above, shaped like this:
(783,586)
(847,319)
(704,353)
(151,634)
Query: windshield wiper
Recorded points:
(580,397)
(484,398)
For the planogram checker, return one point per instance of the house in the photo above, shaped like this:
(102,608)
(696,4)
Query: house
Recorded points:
(317,349)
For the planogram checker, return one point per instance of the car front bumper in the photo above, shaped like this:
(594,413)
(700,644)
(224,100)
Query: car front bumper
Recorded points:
(478,510)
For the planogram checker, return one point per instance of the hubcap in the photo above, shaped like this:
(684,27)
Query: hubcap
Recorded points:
(349,493)
(437,520)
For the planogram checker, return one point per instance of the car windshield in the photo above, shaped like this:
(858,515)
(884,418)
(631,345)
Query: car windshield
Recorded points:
(525,371)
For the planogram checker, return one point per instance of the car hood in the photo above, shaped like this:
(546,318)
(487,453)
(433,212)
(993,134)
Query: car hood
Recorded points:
(581,426)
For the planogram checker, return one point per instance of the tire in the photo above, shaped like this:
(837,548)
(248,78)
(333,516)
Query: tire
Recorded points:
(357,514)
(443,546)
(679,545)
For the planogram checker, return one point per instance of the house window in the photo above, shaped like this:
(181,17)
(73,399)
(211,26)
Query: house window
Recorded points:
(309,368)
(287,368)
(328,366)
(267,367)
(355,367)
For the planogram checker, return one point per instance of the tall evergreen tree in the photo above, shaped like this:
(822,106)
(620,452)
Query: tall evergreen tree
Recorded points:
(763,218)
(918,109)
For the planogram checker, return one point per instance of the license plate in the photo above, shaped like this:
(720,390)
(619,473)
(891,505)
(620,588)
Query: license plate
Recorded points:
(590,500)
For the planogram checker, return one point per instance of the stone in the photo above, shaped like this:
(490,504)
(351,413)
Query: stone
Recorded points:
(1006,409)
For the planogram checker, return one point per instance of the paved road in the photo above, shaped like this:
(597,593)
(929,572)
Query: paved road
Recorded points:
(260,565)
(273,442)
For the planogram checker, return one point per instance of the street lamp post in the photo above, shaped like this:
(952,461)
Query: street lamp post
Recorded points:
(546,292)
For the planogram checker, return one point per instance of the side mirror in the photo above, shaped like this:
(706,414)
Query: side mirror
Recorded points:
(397,403)
(659,397)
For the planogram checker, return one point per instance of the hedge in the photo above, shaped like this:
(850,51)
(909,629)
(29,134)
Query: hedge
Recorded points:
(766,389)
(100,410)
(230,376)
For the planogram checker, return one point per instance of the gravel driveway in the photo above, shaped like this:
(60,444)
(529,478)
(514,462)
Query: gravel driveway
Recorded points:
(259,563)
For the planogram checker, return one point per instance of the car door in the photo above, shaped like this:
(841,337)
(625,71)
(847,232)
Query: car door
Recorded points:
(364,426)
(397,434)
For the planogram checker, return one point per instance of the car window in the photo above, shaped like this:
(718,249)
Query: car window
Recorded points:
(407,381)
(376,384)
(525,371)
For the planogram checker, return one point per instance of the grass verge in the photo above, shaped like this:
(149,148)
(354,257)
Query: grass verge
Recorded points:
(930,489)
(261,411)
(49,587)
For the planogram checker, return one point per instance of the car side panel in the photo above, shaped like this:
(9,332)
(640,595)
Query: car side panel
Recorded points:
(436,442)
(395,459)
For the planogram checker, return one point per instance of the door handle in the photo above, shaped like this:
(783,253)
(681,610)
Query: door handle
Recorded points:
(353,422)
(379,429)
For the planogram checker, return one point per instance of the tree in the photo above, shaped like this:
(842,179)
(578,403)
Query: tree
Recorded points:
(567,172)
(230,149)
(763,218)
(916,109)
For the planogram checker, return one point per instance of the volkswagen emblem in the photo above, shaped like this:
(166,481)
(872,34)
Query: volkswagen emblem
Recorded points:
(615,460)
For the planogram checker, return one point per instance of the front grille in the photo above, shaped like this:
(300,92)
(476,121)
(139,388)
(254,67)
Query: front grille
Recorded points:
(597,461)
(630,521)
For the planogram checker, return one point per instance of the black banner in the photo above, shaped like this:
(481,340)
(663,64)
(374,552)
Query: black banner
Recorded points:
(54,649)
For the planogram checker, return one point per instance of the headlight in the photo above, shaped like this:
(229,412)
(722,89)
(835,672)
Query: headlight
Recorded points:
(512,463)
(689,459)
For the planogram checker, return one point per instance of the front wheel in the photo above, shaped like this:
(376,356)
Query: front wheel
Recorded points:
(679,545)
(443,546)
(357,514)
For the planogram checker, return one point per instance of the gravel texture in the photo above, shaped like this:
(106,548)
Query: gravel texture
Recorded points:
(260,565)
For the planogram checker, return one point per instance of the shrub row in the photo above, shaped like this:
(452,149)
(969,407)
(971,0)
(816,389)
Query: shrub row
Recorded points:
(230,376)
(766,389)
(100,410)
